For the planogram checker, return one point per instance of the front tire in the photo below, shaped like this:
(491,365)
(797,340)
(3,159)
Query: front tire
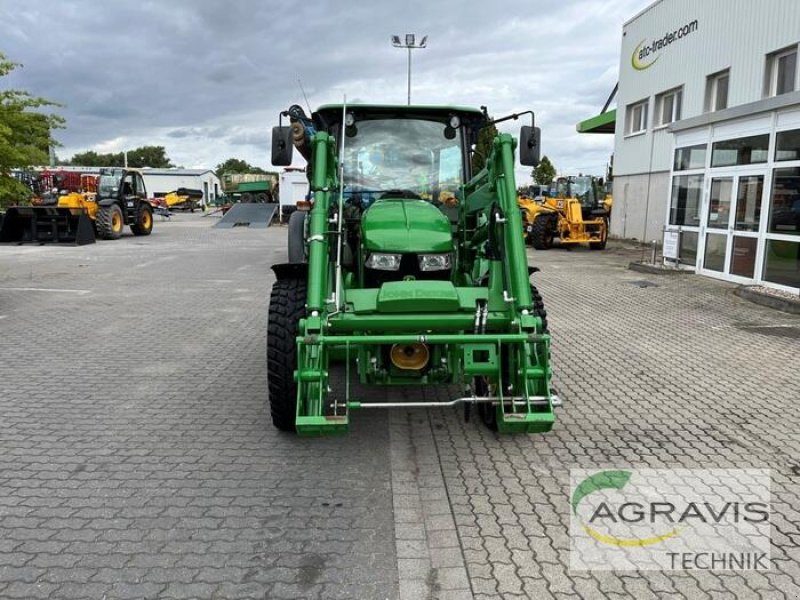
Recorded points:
(542,232)
(109,222)
(286,307)
(604,238)
(144,220)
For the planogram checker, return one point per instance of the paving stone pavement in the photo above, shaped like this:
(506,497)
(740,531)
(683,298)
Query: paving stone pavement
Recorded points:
(137,459)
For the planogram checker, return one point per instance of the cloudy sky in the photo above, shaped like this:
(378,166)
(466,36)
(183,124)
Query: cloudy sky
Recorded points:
(207,79)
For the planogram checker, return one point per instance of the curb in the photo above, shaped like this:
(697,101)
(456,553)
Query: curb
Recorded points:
(656,270)
(786,305)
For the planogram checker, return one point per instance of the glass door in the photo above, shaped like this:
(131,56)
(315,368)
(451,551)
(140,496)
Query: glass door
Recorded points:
(747,217)
(733,215)
(718,214)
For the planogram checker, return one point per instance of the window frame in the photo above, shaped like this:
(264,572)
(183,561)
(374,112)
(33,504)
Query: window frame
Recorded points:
(771,70)
(680,211)
(712,90)
(675,113)
(629,112)
(717,145)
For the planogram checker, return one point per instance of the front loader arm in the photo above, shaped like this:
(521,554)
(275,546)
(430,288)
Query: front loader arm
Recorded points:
(494,189)
(323,185)
(501,170)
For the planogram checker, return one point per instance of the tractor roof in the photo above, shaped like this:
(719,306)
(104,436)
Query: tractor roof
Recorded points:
(332,111)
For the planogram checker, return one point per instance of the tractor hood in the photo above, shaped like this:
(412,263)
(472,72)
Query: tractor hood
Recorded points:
(406,226)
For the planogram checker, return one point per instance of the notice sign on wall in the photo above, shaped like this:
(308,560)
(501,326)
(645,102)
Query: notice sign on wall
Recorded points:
(671,242)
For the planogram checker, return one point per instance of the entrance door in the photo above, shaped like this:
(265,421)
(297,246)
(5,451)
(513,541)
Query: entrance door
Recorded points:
(733,215)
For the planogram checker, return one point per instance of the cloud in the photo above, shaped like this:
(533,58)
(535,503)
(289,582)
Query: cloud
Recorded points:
(207,80)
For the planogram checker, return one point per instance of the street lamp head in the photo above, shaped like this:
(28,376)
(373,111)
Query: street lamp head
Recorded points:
(409,39)
(396,40)
(423,42)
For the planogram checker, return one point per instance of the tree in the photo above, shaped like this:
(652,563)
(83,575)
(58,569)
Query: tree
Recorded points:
(149,156)
(544,172)
(90,158)
(144,156)
(25,135)
(236,165)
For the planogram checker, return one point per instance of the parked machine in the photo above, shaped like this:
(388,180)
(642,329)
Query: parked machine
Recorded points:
(122,200)
(578,213)
(400,287)
(62,210)
(184,199)
(73,208)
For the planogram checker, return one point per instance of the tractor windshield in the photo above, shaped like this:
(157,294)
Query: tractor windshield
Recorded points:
(408,155)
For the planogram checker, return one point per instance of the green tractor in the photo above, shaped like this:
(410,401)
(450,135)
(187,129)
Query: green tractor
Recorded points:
(408,269)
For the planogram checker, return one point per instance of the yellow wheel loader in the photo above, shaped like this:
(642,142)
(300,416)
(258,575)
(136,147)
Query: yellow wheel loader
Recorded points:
(578,213)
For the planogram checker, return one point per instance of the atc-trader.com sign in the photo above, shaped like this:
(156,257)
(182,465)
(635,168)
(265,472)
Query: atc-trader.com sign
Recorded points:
(646,51)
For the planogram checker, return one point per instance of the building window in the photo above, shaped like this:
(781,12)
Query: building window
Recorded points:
(690,157)
(748,202)
(717,91)
(636,117)
(687,251)
(781,72)
(686,200)
(787,146)
(668,107)
(782,263)
(719,203)
(784,205)
(740,151)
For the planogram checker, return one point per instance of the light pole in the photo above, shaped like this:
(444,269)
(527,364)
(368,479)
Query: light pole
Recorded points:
(411,44)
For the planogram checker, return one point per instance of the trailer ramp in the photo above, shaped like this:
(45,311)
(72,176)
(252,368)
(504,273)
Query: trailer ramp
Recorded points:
(257,216)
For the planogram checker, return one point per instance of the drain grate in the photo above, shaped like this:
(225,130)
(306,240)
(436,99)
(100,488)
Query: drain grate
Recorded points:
(642,283)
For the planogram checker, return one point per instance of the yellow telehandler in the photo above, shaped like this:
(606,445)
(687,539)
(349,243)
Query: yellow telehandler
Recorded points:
(578,213)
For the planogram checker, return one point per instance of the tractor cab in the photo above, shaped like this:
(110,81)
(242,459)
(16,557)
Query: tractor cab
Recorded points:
(402,171)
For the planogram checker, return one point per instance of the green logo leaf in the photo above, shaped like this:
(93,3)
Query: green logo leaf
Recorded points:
(603,480)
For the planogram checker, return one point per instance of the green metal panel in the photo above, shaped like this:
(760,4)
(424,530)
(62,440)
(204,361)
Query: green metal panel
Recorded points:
(317,426)
(417,296)
(602,123)
(253,186)
(364,301)
(404,226)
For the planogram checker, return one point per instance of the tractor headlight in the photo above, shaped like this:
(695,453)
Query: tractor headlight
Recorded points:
(383,262)
(434,262)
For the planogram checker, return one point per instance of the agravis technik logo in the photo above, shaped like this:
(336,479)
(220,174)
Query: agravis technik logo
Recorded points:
(669,519)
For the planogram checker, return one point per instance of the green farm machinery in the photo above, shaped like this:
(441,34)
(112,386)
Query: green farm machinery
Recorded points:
(406,269)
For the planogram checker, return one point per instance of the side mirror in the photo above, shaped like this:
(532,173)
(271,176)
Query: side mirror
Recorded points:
(282,146)
(530,139)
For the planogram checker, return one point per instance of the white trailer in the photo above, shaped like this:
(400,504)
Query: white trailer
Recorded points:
(293,188)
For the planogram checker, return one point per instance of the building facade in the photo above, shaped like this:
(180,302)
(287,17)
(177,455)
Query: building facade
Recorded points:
(707,137)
